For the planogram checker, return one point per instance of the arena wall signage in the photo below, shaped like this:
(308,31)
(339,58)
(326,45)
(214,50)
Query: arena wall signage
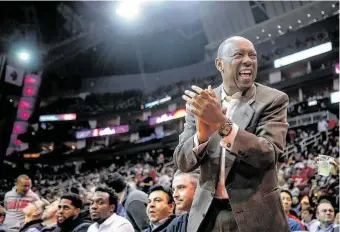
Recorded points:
(167,117)
(98,132)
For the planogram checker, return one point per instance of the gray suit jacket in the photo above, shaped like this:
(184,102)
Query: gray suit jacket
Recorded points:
(251,176)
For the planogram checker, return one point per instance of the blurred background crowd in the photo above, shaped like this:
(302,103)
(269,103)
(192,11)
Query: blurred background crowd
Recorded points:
(86,96)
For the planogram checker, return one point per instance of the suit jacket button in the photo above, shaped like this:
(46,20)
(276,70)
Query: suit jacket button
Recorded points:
(228,145)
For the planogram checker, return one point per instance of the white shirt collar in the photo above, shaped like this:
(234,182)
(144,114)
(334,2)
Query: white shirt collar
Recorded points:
(236,95)
(108,221)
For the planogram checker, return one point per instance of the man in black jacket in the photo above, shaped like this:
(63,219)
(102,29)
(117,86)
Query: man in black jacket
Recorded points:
(134,201)
(160,208)
(68,219)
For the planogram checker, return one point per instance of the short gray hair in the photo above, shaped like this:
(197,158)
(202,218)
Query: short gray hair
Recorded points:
(194,175)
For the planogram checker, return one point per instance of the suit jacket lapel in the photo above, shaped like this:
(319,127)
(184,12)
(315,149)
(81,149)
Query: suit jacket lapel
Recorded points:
(243,113)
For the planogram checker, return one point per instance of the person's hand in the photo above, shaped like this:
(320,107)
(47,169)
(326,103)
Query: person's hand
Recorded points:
(204,131)
(333,162)
(335,167)
(205,106)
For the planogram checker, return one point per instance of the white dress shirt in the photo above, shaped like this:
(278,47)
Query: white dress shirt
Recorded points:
(230,103)
(114,223)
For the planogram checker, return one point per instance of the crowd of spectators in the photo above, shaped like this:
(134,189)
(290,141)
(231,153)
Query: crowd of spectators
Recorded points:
(301,184)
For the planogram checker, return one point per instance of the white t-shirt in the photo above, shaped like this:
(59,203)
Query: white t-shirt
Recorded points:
(113,223)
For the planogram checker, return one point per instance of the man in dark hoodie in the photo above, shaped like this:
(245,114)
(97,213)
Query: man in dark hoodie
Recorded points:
(68,219)
(16,200)
(33,212)
(134,201)
(160,208)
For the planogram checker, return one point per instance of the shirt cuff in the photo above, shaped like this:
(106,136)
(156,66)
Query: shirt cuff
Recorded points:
(228,141)
(198,148)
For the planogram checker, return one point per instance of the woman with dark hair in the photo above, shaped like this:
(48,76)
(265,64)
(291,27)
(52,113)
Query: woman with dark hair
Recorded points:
(286,198)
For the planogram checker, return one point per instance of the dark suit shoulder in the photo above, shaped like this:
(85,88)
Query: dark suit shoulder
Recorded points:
(179,224)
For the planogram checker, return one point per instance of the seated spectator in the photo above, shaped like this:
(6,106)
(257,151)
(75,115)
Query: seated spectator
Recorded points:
(49,216)
(184,187)
(134,201)
(67,215)
(294,225)
(307,215)
(103,212)
(325,216)
(3,228)
(33,212)
(160,208)
(286,198)
(300,177)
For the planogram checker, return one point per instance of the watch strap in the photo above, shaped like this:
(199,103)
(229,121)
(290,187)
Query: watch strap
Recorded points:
(226,128)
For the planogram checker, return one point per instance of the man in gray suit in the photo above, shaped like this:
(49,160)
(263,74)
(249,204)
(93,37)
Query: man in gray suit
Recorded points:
(235,134)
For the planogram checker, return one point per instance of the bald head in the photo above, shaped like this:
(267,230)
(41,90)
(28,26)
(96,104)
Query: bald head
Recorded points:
(225,47)
(237,62)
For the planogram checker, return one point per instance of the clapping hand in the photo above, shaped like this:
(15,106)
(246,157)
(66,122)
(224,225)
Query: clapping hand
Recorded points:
(205,106)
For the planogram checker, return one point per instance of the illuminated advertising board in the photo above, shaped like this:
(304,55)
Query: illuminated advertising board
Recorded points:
(57,117)
(158,102)
(102,131)
(167,117)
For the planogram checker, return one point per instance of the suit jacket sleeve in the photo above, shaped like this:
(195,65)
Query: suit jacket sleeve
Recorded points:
(262,149)
(184,158)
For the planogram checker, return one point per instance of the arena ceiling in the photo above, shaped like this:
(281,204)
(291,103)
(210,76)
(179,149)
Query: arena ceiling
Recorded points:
(87,39)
